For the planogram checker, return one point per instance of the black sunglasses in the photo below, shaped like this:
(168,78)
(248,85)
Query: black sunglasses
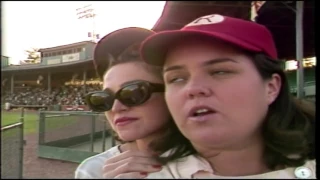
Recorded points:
(132,94)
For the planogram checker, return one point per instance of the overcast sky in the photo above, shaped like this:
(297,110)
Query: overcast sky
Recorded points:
(28,24)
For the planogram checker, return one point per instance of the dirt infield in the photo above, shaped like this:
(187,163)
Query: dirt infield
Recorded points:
(34,167)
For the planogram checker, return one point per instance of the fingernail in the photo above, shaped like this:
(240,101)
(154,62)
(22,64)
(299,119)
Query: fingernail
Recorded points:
(144,173)
(157,166)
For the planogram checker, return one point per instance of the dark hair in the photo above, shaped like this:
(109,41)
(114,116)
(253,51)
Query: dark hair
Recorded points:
(131,55)
(288,129)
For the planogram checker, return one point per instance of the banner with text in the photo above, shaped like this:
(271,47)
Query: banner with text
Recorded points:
(70,57)
(53,61)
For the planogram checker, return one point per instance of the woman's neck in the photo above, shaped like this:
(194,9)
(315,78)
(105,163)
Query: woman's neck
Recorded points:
(144,143)
(128,146)
(140,144)
(243,160)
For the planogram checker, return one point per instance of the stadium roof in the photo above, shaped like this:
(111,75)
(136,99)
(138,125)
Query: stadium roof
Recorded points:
(66,46)
(38,67)
(277,16)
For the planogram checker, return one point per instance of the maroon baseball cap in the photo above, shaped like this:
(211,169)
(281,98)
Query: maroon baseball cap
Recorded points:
(115,43)
(244,34)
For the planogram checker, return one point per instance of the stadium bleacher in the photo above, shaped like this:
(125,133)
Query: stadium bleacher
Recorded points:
(64,95)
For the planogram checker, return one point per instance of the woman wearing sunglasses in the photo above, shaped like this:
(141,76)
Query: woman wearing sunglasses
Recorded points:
(133,102)
(229,96)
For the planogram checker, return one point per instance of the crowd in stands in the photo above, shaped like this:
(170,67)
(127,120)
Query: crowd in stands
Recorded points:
(64,95)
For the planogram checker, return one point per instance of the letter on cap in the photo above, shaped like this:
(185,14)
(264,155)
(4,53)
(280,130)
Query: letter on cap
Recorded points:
(209,19)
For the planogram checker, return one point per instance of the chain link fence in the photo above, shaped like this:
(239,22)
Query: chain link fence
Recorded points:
(12,150)
(73,132)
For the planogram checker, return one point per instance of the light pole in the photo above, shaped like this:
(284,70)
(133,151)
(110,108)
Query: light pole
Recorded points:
(299,49)
(87,12)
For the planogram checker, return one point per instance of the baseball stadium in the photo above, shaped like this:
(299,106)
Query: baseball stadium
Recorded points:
(45,118)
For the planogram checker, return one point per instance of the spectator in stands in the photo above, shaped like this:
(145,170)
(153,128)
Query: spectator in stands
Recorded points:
(7,106)
(66,95)
(246,124)
(133,103)
(228,94)
(259,130)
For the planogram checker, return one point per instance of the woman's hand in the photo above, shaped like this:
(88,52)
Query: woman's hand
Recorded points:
(130,164)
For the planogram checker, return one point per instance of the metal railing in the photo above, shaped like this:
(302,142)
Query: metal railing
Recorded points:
(75,133)
(293,89)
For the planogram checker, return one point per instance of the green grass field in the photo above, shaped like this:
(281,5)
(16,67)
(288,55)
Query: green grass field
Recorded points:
(31,121)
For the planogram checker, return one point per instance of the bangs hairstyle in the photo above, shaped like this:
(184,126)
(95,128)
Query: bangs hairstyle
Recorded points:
(130,55)
(288,129)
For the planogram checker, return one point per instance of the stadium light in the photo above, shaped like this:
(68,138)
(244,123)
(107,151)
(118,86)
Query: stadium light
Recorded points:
(87,12)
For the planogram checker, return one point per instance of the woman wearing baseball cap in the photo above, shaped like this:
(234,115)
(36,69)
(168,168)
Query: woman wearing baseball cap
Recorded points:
(132,100)
(229,96)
